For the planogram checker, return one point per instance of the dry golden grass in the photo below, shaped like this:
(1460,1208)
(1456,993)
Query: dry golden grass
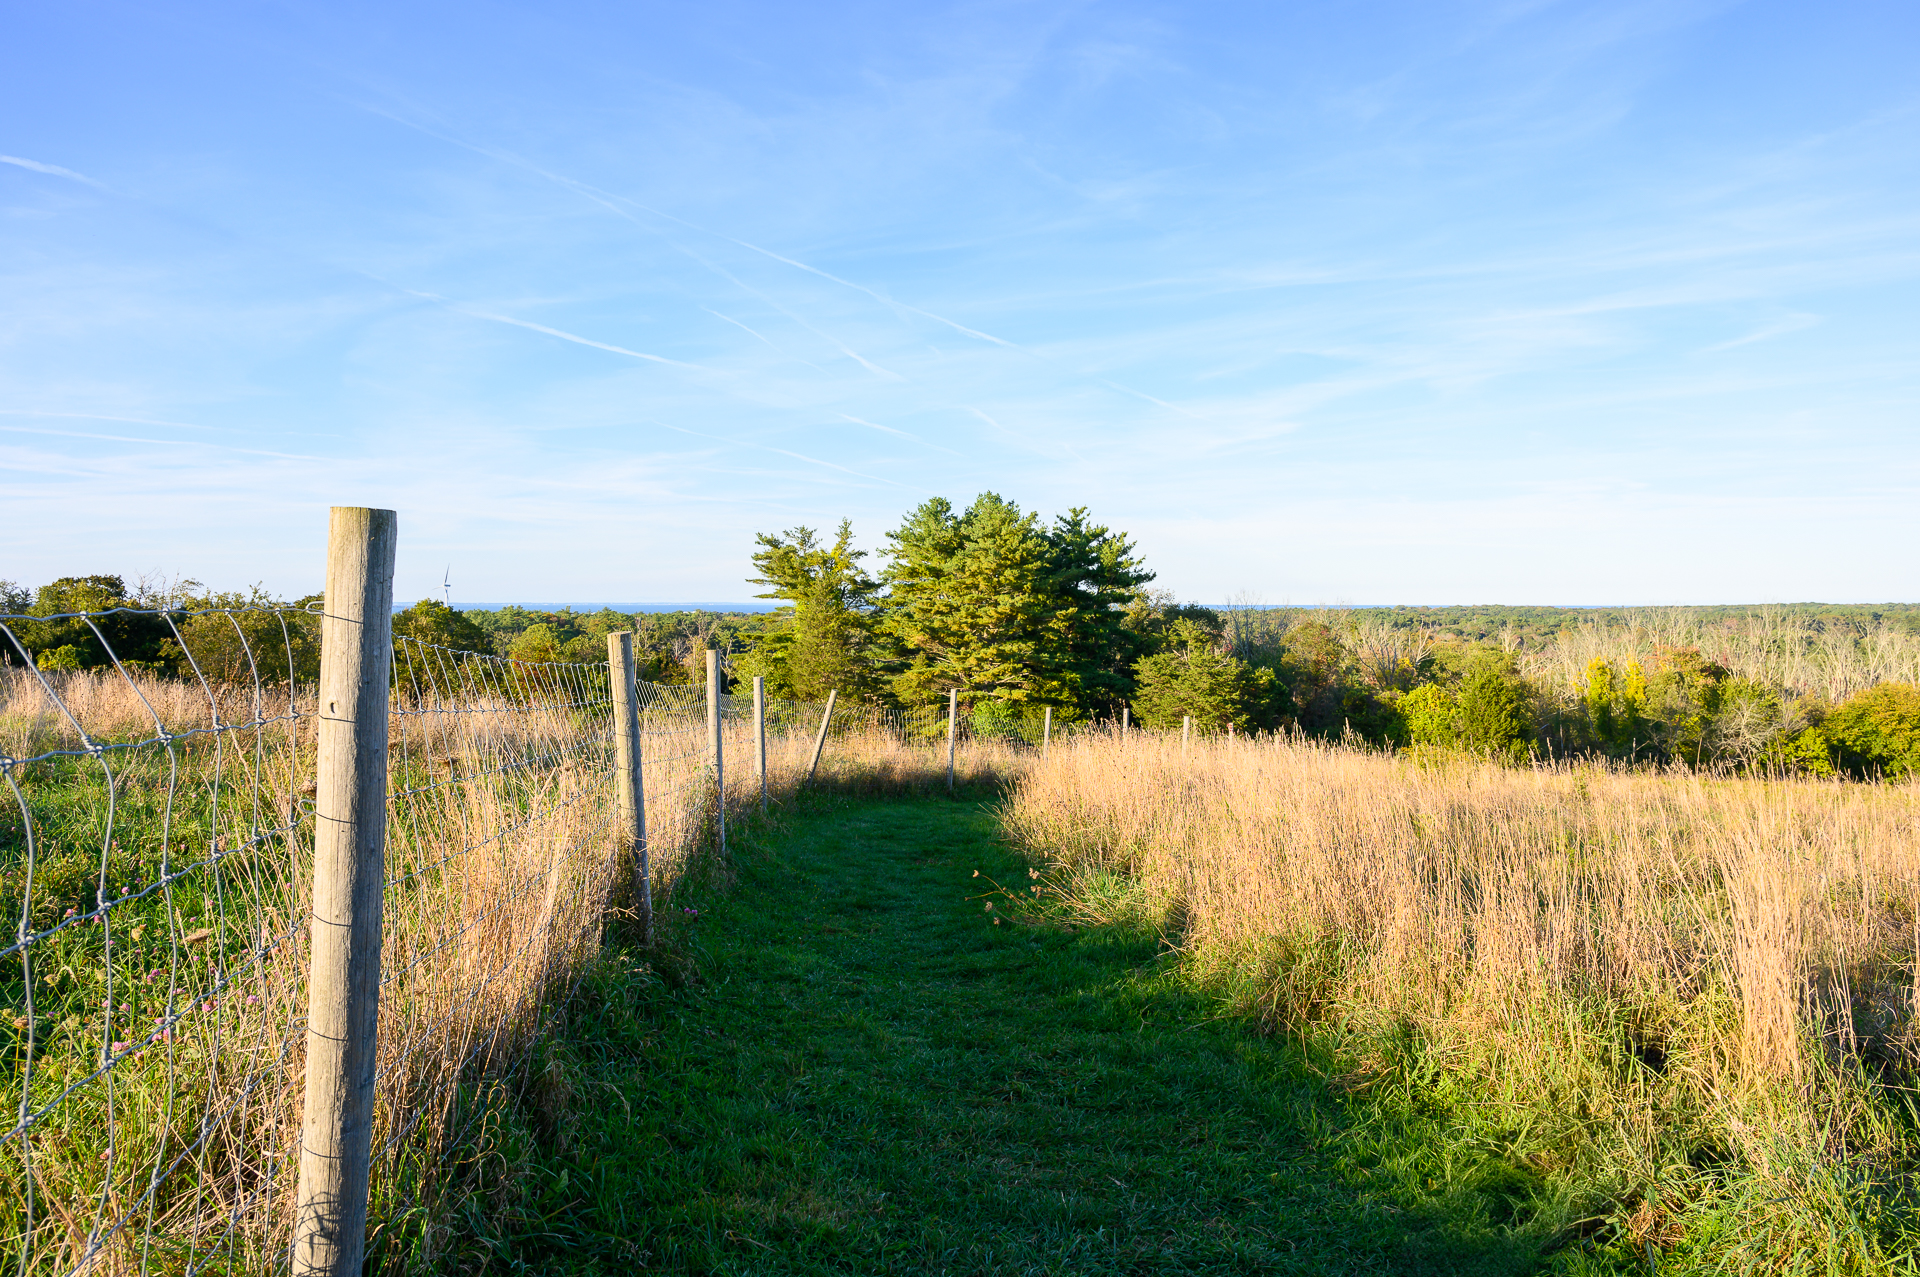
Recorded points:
(1646,974)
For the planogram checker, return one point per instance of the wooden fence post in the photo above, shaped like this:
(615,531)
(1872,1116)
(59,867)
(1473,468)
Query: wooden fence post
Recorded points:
(1046,732)
(349,878)
(627,778)
(1126,718)
(820,741)
(760,736)
(1186,733)
(953,724)
(719,754)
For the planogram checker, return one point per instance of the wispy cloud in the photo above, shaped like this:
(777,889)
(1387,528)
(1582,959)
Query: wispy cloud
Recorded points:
(53,170)
(474,312)
(1777,328)
(891,430)
(165,443)
(785,452)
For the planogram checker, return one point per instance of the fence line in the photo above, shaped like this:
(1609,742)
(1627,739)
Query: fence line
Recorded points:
(157,859)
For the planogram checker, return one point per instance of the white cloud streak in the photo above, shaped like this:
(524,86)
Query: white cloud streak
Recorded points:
(52,170)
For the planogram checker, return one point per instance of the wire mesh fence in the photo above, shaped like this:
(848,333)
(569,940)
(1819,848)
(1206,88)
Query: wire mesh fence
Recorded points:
(156,858)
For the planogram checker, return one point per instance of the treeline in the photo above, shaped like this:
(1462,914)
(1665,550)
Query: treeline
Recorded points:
(1532,626)
(1019,616)
(177,628)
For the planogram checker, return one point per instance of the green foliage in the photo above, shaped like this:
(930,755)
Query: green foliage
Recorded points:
(1496,711)
(1616,707)
(1431,713)
(823,639)
(57,659)
(1194,678)
(991,603)
(249,637)
(431,621)
(132,636)
(1878,731)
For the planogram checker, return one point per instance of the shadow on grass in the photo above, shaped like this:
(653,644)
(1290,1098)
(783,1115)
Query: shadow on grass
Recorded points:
(838,1061)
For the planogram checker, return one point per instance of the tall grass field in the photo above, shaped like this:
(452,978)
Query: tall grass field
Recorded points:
(1684,1003)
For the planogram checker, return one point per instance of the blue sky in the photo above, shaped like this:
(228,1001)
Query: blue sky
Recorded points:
(1368,302)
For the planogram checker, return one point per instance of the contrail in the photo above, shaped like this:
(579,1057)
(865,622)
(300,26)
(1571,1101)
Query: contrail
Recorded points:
(171,443)
(101,416)
(797,456)
(763,337)
(474,313)
(606,199)
(1141,394)
(53,169)
(874,425)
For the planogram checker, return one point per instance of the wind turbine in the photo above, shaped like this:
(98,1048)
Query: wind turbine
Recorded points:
(446,583)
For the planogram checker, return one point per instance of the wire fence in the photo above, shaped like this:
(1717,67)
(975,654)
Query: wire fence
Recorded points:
(156,855)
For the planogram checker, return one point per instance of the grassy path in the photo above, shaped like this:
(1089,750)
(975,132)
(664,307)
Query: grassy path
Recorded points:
(869,1076)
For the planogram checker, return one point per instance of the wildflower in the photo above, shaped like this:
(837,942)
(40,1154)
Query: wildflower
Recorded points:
(70,912)
(118,1047)
(206,1006)
(253,999)
(104,1156)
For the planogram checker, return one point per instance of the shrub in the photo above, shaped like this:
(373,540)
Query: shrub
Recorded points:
(1878,730)
(1430,712)
(1496,710)
(64,657)
(1194,678)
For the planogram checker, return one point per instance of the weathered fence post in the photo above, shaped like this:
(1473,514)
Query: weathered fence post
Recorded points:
(820,741)
(760,736)
(1186,733)
(1046,732)
(349,876)
(719,754)
(627,778)
(1126,718)
(953,724)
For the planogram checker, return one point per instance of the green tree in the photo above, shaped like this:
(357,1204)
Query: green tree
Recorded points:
(1093,581)
(991,603)
(1194,678)
(968,606)
(431,621)
(1496,709)
(133,630)
(1878,731)
(823,639)
(230,637)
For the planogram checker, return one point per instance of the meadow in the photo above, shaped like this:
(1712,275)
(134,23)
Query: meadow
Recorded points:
(1684,1002)
(1571,1015)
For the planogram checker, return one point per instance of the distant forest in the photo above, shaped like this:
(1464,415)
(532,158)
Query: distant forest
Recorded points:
(1021,617)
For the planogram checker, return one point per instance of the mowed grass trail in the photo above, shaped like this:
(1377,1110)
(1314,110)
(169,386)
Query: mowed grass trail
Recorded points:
(868,1075)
